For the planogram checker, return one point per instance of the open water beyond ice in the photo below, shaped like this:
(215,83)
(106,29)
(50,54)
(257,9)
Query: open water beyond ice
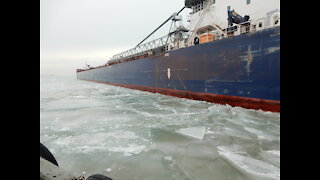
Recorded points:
(134,135)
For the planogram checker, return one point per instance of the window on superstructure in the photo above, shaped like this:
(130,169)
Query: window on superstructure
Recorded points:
(200,6)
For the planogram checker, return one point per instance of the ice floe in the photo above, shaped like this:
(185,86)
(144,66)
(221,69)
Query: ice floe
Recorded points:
(194,132)
(257,168)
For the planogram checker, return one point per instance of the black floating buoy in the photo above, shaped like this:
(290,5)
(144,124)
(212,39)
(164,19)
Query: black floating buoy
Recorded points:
(98,177)
(46,154)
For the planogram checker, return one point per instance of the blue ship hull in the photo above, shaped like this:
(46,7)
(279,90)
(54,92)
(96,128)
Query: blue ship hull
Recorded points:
(241,71)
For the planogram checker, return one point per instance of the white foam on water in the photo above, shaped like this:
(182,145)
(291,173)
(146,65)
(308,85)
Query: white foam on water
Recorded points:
(271,156)
(261,134)
(117,141)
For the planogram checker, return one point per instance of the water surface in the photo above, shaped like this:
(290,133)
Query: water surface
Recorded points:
(134,135)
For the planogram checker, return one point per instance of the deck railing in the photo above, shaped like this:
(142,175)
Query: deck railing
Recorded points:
(144,48)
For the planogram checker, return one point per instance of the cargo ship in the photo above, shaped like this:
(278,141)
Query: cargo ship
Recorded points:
(229,54)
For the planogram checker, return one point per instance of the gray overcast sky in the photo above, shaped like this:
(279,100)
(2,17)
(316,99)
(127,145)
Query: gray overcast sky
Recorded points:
(75,31)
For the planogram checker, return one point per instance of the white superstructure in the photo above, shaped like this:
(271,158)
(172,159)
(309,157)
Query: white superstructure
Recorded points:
(211,16)
(209,22)
(216,12)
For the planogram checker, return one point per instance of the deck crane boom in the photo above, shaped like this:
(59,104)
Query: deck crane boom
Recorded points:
(172,16)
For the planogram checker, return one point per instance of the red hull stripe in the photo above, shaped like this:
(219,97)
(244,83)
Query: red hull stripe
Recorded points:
(249,103)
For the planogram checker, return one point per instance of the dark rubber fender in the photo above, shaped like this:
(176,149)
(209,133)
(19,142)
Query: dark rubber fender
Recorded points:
(46,154)
(98,177)
(196,41)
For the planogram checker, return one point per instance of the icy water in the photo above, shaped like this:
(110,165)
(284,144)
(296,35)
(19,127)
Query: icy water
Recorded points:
(133,135)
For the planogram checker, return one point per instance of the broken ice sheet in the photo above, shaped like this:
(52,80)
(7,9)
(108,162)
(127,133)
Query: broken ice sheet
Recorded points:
(168,158)
(255,167)
(195,132)
(128,150)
